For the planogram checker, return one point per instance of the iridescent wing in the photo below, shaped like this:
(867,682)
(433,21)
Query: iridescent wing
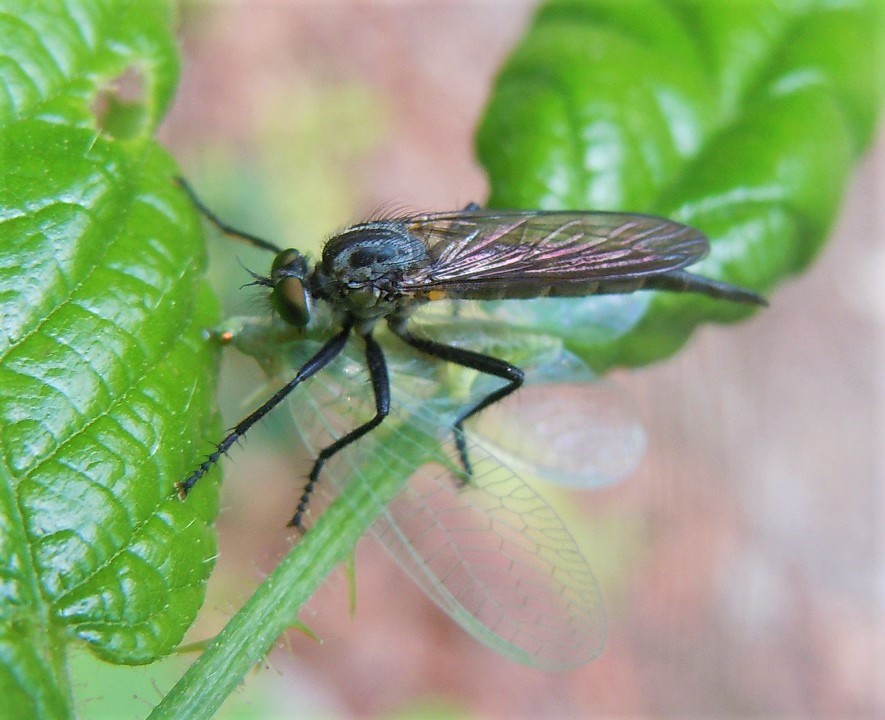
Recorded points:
(493,554)
(475,249)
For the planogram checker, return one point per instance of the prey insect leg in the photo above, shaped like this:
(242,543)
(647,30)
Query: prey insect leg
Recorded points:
(469,359)
(381,389)
(326,354)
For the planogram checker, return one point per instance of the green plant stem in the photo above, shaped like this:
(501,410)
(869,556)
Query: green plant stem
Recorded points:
(275,604)
(274,607)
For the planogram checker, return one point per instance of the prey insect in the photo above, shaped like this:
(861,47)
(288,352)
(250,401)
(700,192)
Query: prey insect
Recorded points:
(385,269)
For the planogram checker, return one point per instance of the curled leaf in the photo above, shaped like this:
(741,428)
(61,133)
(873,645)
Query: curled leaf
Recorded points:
(742,119)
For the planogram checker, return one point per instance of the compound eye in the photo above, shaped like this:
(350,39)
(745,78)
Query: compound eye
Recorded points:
(288,262)
(289,295)
(291,301)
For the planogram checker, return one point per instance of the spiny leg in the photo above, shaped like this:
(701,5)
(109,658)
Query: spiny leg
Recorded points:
(473,360)
(220,224)
(381,388)
(325,355)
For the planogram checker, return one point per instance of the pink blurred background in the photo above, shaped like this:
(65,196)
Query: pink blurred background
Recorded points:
(741,565)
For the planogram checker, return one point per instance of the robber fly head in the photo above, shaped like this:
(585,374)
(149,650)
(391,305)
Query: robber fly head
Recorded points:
(289,293)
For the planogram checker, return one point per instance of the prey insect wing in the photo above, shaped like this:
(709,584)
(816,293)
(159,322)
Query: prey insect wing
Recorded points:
(491,552)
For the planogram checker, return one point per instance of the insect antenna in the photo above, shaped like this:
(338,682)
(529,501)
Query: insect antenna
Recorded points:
(256,278)
(223,226)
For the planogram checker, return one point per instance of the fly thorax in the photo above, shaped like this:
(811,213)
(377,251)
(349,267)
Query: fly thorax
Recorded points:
(363,300)
(365,264)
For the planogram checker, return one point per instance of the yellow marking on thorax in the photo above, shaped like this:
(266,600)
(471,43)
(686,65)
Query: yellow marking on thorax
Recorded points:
(436,295)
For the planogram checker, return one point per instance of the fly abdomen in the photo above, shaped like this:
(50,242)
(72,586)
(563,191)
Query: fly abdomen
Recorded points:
(672,281)
(535,289)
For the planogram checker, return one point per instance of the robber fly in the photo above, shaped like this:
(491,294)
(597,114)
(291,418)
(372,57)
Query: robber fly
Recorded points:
(385,269)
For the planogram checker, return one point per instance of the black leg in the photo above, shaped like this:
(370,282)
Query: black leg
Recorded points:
(683,281)
(223,226)
(326,354)
(473,360)
(381,388)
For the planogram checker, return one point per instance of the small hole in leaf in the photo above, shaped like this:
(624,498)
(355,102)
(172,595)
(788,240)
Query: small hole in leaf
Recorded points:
(119,106)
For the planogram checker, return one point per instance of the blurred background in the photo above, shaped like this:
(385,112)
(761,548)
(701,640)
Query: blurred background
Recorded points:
(741,565)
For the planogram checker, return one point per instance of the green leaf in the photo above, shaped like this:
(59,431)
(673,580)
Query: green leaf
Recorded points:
(741,118)
(106,381)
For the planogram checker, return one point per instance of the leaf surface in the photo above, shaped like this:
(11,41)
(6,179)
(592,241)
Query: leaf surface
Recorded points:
(106,382)
(743,119)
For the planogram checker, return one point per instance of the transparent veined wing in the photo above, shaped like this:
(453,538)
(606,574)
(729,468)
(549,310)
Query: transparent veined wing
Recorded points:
(491,552)
(565,426)
(570,429)
(475,249)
